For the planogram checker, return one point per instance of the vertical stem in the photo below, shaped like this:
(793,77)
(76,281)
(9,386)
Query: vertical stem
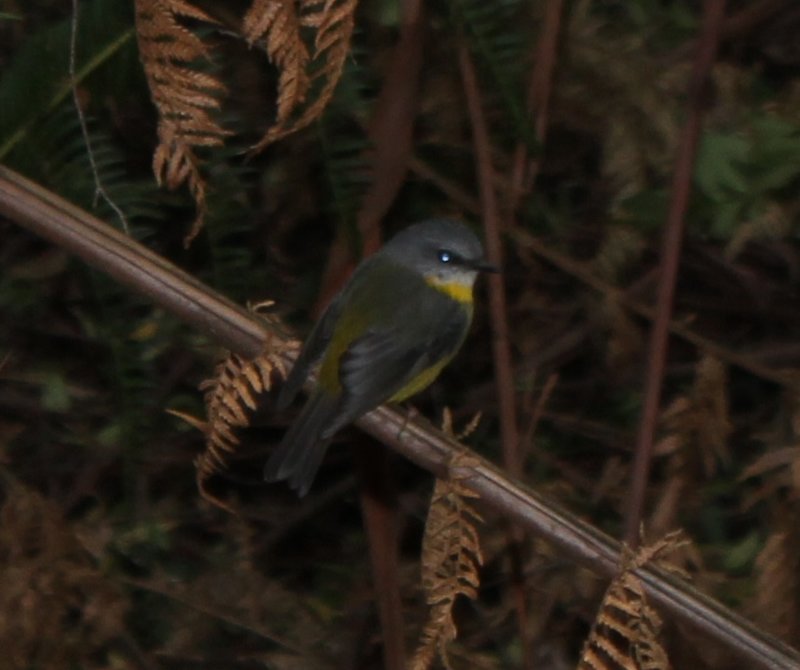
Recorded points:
(498,314)
(391,135)
(670,254)
(379,509)
(540,88)
(504,378)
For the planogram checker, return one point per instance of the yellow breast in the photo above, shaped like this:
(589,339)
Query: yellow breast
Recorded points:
(456,290)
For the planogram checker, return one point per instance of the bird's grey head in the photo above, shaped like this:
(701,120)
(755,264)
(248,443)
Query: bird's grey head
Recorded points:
(442,250)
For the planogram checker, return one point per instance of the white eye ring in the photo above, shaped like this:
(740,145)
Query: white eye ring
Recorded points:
(445,256)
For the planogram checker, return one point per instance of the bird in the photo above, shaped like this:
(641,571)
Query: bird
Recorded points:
(401,317)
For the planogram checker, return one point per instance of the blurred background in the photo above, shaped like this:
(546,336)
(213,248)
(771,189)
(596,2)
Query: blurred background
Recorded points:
(109,558)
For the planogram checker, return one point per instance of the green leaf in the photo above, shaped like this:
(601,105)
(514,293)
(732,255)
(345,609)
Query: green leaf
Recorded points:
(741,555)
(646,210)
(718,169)
(55,394)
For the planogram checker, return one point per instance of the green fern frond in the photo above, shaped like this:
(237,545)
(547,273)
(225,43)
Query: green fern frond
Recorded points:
(37,81)
(345,173)
(497,33)
(57,155)
(236,265)
(343,145)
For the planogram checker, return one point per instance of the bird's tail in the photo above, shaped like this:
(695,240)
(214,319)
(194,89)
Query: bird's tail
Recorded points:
(300,453)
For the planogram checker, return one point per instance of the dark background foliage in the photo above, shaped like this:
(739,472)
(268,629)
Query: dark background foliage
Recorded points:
(119,563)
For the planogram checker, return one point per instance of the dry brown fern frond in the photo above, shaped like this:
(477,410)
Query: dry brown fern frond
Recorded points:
(277,23)
(184,97)
(776,602)
(778,468)
(464,433)
(713,424)
(773,223)
(639,114)
(700,419)
(229,397)
(237,593)
(625,632)
(451,557)
(332,22)
(625,335)
(58,606)
(696,426)
(622,247)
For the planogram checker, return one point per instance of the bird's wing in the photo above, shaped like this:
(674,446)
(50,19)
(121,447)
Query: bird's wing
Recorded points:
(312,351)
(380,363)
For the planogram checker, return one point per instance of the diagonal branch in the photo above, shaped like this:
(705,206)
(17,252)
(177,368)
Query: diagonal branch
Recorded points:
(49,216)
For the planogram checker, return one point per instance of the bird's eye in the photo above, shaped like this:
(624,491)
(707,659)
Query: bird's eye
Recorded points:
(445,256)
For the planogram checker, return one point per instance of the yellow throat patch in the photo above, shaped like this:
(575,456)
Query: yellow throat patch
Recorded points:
(456,290)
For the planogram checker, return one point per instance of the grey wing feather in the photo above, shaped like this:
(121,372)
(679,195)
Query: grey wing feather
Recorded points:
(312,351)
(300,453)
(375,367)
(369,380)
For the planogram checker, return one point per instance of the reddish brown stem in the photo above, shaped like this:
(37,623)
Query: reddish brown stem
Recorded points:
(390,134)
(504,378)
(498,314)
(750,17)
(379,508)
(670,254)
(539,91)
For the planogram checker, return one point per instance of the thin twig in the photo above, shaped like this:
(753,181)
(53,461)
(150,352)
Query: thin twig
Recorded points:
(671,251)
(121,257)
(99,189)
(526,441)
(583,273)
(540,87)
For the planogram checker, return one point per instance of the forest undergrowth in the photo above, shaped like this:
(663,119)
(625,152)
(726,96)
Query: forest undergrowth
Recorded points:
(290,138)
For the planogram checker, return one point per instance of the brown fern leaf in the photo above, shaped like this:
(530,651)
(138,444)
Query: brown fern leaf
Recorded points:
(776,602)
(773,223)
(471,427)
(333,22)
(778,468)
(229,397)
(622,247)
(625,632)
(185,98)
(713,425)
(277,23)
(696,427)
(699,421)
(66,612)
(451,557)
(625,337)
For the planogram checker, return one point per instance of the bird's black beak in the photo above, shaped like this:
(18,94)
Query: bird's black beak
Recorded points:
(486,266)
